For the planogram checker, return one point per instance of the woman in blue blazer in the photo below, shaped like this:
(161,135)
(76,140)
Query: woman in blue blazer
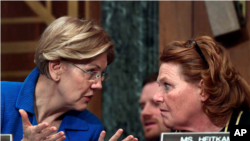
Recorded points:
(51,103)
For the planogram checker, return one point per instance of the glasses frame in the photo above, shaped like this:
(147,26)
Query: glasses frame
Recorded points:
(91,72)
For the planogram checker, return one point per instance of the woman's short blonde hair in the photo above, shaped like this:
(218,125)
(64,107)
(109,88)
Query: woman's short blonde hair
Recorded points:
(72,38)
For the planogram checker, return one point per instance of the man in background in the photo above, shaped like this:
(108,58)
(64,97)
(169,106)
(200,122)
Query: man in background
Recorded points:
(151,118)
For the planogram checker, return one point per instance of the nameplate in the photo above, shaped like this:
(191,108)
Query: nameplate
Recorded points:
(6,137)
(196,136)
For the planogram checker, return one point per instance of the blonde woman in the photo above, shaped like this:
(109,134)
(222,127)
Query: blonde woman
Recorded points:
(51,103)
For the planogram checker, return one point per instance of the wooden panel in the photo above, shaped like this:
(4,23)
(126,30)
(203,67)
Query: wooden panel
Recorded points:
(19,47)
(175,21)
(81,11)
(95,105)
(19,79)
(41,11)
(201,24)
(73,9)
(14,62)
(240,53)
(21,20)
(59,8)
(93,11)
(15,9)
(21,32)
(15,74)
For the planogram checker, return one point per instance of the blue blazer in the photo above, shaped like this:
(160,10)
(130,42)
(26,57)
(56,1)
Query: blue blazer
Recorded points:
(76,125)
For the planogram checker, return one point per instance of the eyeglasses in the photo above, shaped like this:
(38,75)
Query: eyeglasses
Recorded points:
(190,43)
(93,75)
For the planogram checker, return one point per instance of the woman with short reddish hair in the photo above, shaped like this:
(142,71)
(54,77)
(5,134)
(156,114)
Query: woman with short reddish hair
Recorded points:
(200,90)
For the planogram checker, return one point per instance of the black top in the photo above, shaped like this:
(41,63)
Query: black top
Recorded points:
(237,118)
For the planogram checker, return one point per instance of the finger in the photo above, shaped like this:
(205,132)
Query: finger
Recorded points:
(62,138)
(129,138)
(57,136)
(48,132)
(116,135)
(102,136)
(135,139)
(40,127)
(25,119)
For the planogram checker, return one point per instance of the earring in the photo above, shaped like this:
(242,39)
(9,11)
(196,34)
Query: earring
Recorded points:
(57,77)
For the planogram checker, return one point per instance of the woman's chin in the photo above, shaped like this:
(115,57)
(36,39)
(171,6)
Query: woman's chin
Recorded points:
(167,124)
(81,107)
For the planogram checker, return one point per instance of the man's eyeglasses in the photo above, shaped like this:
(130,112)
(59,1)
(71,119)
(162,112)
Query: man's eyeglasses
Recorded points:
(93,75)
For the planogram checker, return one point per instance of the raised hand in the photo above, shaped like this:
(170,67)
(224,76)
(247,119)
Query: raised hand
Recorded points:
(40,132)
(116,136)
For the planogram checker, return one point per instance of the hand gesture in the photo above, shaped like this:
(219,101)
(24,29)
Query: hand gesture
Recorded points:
(116,136)
(40,132)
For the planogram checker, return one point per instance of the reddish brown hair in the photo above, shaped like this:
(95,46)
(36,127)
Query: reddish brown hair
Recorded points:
(226,88)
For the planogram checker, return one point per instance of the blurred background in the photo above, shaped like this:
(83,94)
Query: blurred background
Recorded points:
(140,30)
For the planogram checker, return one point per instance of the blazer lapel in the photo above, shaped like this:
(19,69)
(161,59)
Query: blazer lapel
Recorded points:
(74,126)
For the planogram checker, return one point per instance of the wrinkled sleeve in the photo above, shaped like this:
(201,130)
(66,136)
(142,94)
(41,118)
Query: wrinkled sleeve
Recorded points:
(99,129)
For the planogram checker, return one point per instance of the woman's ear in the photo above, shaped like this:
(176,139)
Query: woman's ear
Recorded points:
(55,69)
(203,95)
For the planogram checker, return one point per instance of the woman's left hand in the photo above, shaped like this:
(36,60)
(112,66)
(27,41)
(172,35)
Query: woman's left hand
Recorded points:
(40,132)
(116,136)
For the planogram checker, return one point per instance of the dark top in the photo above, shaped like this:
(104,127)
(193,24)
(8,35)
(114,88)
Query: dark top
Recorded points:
(237,118)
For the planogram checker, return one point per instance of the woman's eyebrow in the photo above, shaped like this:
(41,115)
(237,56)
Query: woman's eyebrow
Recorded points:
(95,66)
(160,79)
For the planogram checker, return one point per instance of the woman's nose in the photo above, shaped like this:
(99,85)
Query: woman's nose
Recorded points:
(97,84)
(158,97)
